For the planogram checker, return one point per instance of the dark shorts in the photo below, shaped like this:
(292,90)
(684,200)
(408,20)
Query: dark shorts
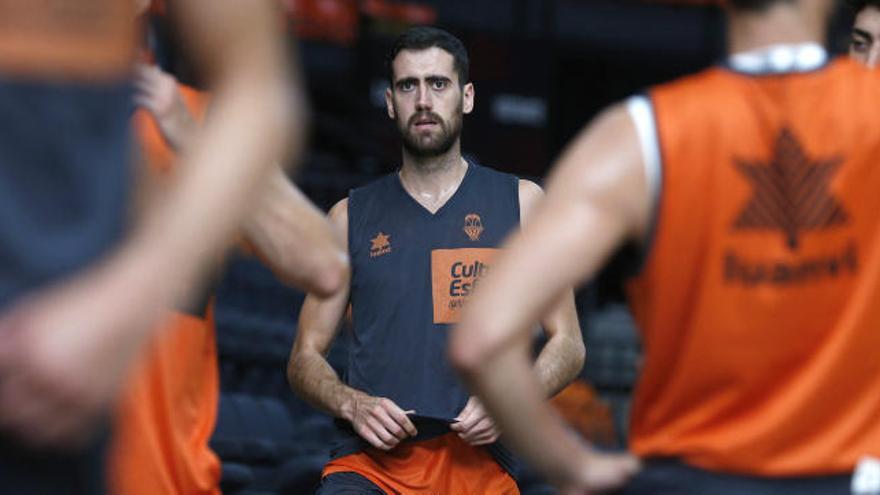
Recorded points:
(25,472)
(347,484)
(668,477)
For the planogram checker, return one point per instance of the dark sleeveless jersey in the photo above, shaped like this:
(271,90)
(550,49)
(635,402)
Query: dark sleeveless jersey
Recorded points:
(64,178)
(411,273)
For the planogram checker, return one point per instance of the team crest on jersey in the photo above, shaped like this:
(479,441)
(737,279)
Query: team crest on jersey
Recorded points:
(473,226)
(791,192)
(380,245)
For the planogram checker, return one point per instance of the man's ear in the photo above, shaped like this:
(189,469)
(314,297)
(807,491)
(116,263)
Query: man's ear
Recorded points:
(468,98)
(389,103)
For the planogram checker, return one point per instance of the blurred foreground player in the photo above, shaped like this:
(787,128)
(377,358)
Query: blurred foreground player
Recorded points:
(419,241)
(81,284)
(752,187)
(169,406)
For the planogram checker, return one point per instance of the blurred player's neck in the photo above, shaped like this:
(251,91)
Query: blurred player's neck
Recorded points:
(433,180)
(783,23)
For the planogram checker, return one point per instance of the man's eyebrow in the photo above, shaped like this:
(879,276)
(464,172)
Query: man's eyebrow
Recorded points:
(405,80)
(864,34)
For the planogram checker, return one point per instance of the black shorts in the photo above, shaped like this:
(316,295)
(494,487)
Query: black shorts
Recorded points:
(28,472)
(348,484)
(669,476)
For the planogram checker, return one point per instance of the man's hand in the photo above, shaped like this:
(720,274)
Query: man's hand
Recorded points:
(379,421)
(603,472)
(157,92)
(474,425)
(64,352)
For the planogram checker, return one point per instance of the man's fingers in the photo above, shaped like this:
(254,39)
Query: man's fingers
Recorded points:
(482,427)
(388,438)
(401,419)
(468,411)
(144,101)
(374,440)
(390,424)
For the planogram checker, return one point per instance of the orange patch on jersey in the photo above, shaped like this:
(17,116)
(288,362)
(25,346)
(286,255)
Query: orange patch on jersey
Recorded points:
(62,39)
(455,274)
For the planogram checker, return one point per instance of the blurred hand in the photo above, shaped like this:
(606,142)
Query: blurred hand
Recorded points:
(64,352)
(603,472)
(157,91)
(379,421)
(474,425)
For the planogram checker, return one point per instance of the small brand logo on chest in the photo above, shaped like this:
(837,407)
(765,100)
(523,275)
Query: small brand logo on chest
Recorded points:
(473,226)
(380,245)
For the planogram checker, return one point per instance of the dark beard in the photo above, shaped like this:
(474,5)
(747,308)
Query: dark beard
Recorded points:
(450,132)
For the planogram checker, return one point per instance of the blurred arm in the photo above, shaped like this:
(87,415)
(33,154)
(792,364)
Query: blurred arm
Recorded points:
(296,241)
(597,198)
(562,356)
(66,347)
(251,127)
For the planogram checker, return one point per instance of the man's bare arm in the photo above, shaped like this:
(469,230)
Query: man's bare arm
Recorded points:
(295,240)
(378,420)
(597,198)
(562,357)
(67,346)
(285,230)
(251,127)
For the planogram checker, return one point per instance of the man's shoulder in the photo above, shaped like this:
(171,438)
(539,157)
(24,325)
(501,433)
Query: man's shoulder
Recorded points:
(380,189)
(492,173)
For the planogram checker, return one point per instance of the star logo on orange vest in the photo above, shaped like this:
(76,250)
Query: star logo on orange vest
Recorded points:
(473,226)
(791,192)
(379,245)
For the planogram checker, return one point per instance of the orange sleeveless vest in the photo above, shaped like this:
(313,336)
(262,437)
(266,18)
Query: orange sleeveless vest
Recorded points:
(169,406)
(760,301)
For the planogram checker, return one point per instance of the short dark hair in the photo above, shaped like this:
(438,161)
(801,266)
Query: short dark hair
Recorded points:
(858,5)
(754,4)
(424,37)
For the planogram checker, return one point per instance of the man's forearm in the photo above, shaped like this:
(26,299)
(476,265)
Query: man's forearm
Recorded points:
(186,231)
(313,379)
(558,363)
(294,238)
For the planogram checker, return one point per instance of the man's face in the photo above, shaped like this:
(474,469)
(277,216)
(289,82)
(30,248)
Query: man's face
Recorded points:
(427,101)
(865,43)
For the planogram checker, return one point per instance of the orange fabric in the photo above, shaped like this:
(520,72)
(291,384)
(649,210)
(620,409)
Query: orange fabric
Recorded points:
(167,415)
(169,407)
(759,303)
(442,465)
(580,406)
(87,40)
(158,155)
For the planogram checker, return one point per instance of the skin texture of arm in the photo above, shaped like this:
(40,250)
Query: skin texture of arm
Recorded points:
(377,420)
(563,355)
(66,347)
(559,361)
(295,240)
(285,230)
(597,198)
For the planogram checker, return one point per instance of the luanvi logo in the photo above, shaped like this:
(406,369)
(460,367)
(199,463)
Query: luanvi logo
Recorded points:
(473,226)
(379,245)
(782,272)
(791,192)
(792,195)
